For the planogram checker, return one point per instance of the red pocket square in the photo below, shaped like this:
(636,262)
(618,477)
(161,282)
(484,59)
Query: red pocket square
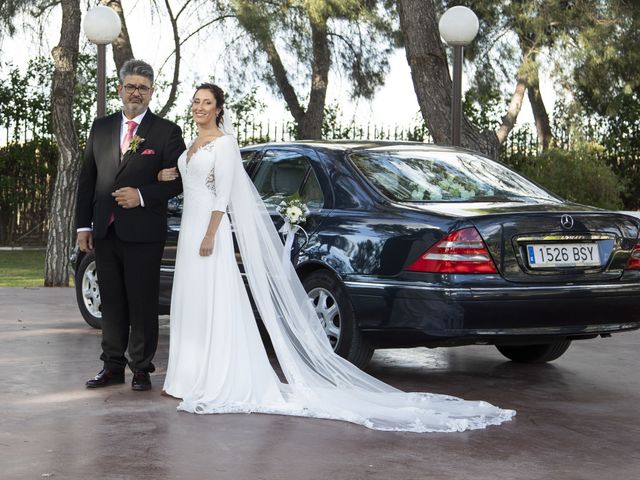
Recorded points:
(149,151)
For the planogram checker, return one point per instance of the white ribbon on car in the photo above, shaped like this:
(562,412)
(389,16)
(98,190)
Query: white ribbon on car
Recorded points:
(289,232)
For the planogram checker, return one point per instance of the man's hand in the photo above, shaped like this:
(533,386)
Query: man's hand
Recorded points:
(85,241)
(127,197)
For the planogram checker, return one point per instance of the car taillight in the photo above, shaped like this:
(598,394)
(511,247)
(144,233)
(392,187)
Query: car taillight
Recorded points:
(634,261)
(462,251)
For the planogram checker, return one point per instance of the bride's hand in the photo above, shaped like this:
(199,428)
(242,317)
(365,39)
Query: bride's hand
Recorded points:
(168,174)
(206,247)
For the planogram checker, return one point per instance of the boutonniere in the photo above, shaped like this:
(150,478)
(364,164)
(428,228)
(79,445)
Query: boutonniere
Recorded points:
(135,143)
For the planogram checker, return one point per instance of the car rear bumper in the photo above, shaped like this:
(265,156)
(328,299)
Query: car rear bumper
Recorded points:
(417,313)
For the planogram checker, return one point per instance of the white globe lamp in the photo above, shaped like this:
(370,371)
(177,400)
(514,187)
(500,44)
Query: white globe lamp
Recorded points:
(458,27)
(102,26)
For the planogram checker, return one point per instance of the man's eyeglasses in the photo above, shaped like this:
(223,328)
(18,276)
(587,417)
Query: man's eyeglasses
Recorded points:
(143,89)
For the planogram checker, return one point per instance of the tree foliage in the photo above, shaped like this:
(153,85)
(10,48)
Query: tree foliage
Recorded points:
(516,36)
(606,54)
(294,44)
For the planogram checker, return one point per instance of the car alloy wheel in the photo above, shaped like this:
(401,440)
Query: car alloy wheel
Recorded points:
(336,314)
(88,291)
(328,312)
(91,290)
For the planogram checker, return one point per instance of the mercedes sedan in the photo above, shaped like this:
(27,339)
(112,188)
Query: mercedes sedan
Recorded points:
(409,244)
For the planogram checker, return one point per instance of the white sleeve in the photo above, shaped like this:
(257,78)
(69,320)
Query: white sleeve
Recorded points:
(140,197)
(220,177)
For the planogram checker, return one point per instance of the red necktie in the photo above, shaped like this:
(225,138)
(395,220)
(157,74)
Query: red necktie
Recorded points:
(131,126)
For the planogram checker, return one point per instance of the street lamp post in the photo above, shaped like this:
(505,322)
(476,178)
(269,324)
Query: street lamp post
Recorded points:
(458,27)
(102,26)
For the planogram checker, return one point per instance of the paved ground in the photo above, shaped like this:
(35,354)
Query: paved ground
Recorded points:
(578,418)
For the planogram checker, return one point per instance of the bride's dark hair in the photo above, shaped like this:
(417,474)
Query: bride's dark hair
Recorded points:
(218,94)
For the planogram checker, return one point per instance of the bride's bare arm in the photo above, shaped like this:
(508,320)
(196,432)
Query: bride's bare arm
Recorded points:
(206,247)
(168,174)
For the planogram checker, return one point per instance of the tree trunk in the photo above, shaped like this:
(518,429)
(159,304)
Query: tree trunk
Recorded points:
(122,50)
(61,225)
(539,113)
(515,105)
(531,67)
(176,64)
(309,121)
(431,77)
(310,128)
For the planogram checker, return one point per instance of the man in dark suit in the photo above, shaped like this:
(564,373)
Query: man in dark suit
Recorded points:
(121,212)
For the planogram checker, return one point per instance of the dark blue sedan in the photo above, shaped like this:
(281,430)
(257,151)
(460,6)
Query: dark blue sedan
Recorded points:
(421,245)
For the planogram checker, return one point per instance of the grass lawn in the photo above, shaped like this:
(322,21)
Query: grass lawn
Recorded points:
(22,268)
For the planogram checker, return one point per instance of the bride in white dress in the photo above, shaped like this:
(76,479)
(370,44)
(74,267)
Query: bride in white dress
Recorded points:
(217,360)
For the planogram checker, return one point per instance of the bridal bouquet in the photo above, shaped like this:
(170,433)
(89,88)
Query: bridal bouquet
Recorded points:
(293,210)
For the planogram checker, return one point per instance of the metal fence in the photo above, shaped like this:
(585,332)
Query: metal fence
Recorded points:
(25,222)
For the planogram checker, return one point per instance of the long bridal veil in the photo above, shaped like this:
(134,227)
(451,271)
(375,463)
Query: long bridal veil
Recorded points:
(319,382)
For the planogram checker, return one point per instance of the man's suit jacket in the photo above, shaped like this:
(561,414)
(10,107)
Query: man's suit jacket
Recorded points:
(103,172)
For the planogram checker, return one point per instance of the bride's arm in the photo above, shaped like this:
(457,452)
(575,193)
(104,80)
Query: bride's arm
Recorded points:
(206,246)
(219,182)
(168,174)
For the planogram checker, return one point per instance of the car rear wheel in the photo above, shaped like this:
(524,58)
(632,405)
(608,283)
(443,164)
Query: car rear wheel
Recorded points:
(88,291)
(338,320)
(541,353)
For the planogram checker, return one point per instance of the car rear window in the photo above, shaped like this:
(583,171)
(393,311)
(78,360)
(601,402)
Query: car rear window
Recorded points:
(427,176)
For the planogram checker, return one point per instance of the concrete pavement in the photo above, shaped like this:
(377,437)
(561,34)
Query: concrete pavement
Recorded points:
(578,417)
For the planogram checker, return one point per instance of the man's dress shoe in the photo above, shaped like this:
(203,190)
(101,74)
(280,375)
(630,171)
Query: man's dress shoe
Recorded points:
(105,378)
(141,381)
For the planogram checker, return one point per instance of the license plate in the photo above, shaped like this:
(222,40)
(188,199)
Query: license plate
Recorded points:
(543,255)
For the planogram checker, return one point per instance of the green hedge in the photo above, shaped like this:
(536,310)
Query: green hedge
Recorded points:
(580,175)
(27,173)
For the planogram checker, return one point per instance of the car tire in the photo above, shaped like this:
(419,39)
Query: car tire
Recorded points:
(541,353)
(327,293)
(88,291)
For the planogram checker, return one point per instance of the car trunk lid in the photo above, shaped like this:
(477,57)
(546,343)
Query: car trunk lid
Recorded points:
(549,242)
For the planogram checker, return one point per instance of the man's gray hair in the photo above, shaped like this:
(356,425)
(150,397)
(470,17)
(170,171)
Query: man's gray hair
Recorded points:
(135,67)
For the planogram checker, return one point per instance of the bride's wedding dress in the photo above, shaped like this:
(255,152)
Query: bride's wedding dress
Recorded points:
(217,361)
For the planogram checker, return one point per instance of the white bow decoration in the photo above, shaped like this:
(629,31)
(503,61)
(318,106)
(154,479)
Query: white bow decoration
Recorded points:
(294,212)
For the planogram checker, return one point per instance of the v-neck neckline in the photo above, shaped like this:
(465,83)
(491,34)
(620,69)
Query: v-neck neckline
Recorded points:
(190,157)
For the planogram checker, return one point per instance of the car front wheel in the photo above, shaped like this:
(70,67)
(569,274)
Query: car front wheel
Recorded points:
(88,291)
(338,320)
(545,352)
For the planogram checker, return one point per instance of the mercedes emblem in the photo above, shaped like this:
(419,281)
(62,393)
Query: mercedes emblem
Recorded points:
(566,221)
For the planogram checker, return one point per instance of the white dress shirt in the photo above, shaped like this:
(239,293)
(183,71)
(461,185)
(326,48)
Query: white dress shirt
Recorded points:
(124,127)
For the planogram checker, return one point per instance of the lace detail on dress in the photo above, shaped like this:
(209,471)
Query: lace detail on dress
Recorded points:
(205,146)
(211,179)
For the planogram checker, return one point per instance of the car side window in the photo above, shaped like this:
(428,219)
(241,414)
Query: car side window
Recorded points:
(311,192)
(280,174)
(249,159)
(248,155)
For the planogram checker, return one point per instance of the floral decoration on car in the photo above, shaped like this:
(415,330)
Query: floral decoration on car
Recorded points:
(293,210)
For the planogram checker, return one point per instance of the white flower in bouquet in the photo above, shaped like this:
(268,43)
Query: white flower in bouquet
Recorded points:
(293,210)
(294,214)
